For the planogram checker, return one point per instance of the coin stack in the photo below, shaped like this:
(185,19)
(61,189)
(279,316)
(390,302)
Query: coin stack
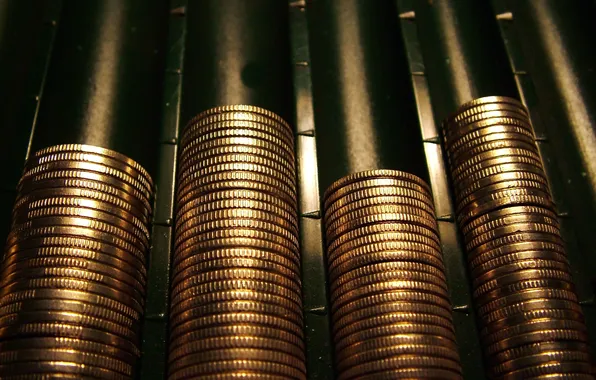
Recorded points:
(531,321)
(73,276)
(236,306)
(391,313)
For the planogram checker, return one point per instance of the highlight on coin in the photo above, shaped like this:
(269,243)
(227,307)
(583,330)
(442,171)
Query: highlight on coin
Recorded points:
(531,322)
(74,270)
(236,301)
(390,309)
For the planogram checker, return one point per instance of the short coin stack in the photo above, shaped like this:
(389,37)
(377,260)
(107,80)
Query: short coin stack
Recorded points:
(74,272)
(531,321)
(236,307)
(391,313)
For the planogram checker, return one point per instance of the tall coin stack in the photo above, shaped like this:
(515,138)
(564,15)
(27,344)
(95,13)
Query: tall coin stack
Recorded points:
(236,306)
(73,277)
(391,313)
(531,321)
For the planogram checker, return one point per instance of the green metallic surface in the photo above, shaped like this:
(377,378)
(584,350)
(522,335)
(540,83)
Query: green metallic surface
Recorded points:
(237,53)
(364,109)
(104,83)
(365,83)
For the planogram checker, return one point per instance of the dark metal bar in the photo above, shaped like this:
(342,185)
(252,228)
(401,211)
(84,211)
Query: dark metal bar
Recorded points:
(237,52)
(104,82)
(363,99)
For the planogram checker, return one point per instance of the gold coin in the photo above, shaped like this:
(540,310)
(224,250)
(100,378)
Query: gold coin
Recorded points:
(65,204)
(517,257)
(95,269)
(59,213)
(520,329)
(489,132)
(374,321)
(237,162)
(494,148)
(394,301)
(242,108)
(499,182)
(490,100)
(461,172)
(57,329)
(485,111)
(359,258)
(384,232)
(510,242)
(249,274)
(535,337)
(245,216)
(335,223)
(341,208)
(236,120)
(493,121)
(503,281)
(187,324)
(261,211)
(204,239)
(239,284)
(489,175)
(542,347)
(198,162)
(386,268)
(535,293)
(225,366)
(190,141)
(73,284)
(247,256)
(409,373)
(64,157)
(396,311)
(67,343)
(236,199)
(65,355)
(381,352)
(260,308)
(234,243)
(75,247)
(59,295)
(373,178)
(67,166)
(528,362)
(389,286)
(257,142)
(50,192)
(426,362)
(516,267)
(501,227)
(56,305)
(54,222)
(236,262)
(498,217)
(238,180)
(271,334)
(265,171)
(508,313)
(367,276)
(38,369)
(483,158)
(237,346)
(24,318)
(94,150)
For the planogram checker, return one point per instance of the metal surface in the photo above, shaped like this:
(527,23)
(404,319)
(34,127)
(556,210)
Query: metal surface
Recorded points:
(104,83)
(364,111)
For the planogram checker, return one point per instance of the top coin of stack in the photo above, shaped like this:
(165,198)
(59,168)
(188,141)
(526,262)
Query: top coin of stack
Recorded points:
(390,306)
(74,272)
(531,320)
(236,303)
